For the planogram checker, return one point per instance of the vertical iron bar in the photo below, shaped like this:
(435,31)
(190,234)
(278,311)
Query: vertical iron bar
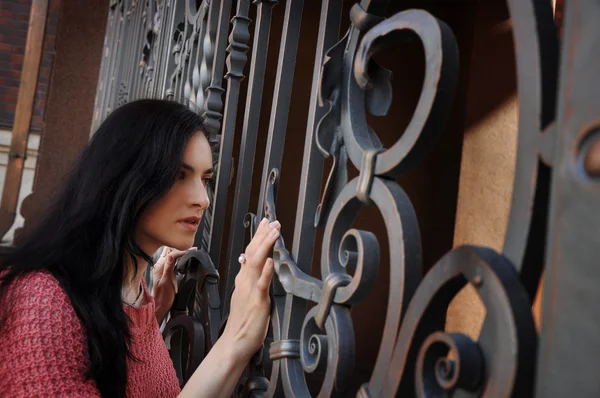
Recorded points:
(195,19)
(160,48)
(146,68)
(134,51)
(107,57)
(115,50)
(200,49)
(130,39)
(187,75)
(308,197)
(178,12)
(158,11)
(140,72)
(122,56)
(282,96)
(203,46)
(137,51)
(248,145)
(238,46)
(213,104)
(209,53)
(183,62)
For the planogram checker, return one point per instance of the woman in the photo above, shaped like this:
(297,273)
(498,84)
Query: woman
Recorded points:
(76,319)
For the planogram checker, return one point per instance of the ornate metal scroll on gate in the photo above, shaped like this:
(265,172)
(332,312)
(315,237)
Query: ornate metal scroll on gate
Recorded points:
(352,84)
(421,360)
(427,362)
(193,327)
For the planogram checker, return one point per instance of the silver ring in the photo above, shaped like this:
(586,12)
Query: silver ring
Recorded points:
(242,258)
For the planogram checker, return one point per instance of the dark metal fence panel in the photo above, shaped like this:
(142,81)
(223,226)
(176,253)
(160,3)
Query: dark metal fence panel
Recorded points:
(291,309)
(238,46)
(253,104)
(179,50)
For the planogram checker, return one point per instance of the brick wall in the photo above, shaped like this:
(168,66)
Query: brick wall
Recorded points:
(14,21)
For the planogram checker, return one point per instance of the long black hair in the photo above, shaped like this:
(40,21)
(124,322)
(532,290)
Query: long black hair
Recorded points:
(87,236)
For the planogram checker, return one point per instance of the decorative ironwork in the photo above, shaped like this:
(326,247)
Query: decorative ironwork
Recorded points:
(177,49)
(195,315)
(349,66)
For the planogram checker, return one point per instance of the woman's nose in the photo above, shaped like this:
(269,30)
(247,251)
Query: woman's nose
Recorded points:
(201,197)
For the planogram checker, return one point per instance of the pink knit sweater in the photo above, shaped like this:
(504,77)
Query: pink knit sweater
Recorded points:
(43,348)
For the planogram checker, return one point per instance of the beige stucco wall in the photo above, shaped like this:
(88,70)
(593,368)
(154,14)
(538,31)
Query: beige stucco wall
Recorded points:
(488,156)
(485,190)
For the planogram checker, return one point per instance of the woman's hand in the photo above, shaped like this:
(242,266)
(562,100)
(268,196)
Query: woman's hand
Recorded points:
(247,324)
(164,285)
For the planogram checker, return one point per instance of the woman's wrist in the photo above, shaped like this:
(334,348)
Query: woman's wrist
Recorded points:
(160,309)
(232,348)
(219,372)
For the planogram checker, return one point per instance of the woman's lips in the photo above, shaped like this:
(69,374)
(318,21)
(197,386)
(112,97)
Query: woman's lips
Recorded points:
(189,224)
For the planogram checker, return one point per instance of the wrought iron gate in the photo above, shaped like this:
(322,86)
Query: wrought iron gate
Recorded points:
(189,50)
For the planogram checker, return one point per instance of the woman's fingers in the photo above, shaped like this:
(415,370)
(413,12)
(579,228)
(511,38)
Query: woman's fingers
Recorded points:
(166,262)
(262,243)
(261,231)
(266,276)
(164,252)
(263,251)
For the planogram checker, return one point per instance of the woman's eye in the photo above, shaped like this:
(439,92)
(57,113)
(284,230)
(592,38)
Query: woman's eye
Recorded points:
(181,175)
(206,181)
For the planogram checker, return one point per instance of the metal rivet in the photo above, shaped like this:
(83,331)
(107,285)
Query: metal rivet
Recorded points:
(591,160)
(477,280)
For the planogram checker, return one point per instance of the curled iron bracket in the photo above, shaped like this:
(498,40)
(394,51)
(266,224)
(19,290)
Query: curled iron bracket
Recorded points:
(338,177)
(284,349)
(332,282)
(185,365)
(196,311)
(328,137)
(362,19)
(367,172)
(250,223)
(198,271)
(290,278)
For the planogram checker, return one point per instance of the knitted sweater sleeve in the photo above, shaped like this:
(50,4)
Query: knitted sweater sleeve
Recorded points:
(43,349)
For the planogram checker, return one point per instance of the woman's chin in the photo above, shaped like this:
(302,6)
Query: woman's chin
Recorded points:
(181,244)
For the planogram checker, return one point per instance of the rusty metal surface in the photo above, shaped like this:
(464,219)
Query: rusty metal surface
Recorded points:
(177,49)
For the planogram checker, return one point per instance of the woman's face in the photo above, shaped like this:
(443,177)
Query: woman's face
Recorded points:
(173,219)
